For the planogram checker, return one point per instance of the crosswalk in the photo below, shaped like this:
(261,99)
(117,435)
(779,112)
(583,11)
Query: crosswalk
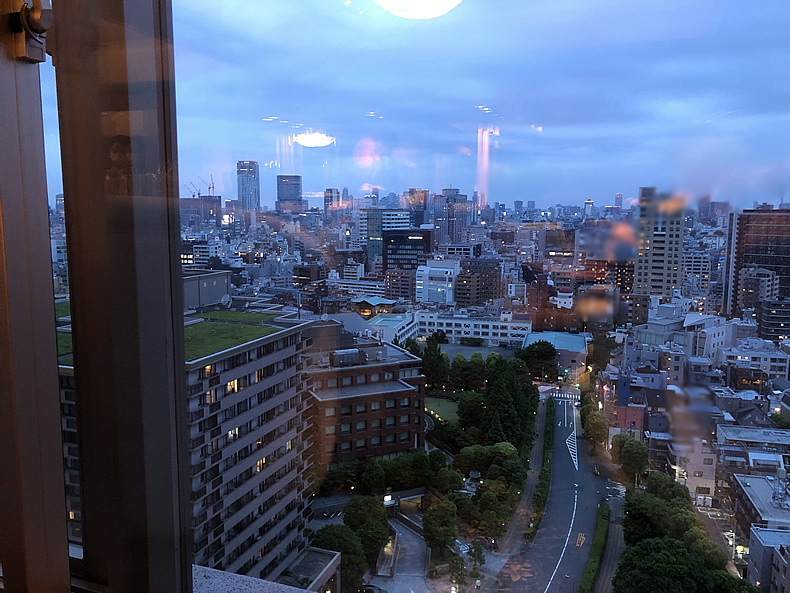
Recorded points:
(574,397)
(571,443)
(616,490)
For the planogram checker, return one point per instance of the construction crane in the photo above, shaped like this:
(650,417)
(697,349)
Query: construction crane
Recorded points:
(191,187)
(210,186)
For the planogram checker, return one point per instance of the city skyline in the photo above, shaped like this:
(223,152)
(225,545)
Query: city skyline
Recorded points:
(691,101)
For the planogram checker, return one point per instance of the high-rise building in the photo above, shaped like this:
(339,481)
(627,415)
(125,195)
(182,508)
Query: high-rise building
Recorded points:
(759,238)
(406,249)
(773,319)
(489,270)
(618,200)
(452,215)
(658,268)
(331,201)
(518,206)
(756,285)
(588,208)
(249,184)
(530,204)
(289,194)
(250,500)
(60,204)
(372,224)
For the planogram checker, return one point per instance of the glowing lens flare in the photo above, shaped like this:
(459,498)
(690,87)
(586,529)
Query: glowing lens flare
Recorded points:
(418,9)
(312,139)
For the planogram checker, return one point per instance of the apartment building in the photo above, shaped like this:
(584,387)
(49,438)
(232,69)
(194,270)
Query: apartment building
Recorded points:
(366,399)
(247,445)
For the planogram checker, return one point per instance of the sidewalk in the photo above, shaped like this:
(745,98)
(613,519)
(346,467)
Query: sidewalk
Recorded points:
(513,540)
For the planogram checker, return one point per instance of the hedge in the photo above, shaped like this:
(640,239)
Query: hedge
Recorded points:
(541,496)
(596,550)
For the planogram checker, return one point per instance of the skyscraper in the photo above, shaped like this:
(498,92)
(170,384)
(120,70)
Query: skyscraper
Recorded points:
(758,238)
(331,201)
(618,200)
(289,194)
(658,268)
(249,184)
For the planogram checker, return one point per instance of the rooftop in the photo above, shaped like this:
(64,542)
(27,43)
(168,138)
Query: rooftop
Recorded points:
(389,319)
(771,537)
(760,490)
(757,435)
(311,565)
(222,332)
(375,301)
(368,389)
(208,580)
(560,340)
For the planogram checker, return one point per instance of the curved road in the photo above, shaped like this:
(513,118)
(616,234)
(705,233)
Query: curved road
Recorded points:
(555,560)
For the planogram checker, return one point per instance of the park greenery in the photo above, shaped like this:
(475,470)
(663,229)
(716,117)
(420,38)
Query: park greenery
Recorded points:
(366,516)
(630,453)
(341,538)
(668,546)
(541,496)
(414,470)
(596,550)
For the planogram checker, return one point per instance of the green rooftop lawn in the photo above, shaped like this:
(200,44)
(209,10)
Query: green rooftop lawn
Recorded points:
(64,343)
(62,309)
(446,410)
(202,339)
(240,316)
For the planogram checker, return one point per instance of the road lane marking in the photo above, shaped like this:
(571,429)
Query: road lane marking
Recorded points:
(570,442)
(567,539)
(565,408)
(580,540)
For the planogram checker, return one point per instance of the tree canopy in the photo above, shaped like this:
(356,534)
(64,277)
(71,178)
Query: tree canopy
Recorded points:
(353,564)
(440,528)
(661,565)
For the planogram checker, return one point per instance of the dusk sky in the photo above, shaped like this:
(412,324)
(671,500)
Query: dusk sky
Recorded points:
(588,98)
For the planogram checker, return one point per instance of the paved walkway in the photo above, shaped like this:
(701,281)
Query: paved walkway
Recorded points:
(513,540)
(614,547)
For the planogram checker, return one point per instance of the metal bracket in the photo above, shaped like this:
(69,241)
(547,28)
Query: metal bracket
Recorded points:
(30,26)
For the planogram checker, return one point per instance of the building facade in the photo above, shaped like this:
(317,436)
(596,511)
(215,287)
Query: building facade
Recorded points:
(660,228)
(248,185)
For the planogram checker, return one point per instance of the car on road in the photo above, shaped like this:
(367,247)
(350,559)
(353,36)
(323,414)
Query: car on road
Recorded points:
(596,471)
(371,589)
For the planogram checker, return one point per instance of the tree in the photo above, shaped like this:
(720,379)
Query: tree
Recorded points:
(364,509)
(439,337)
(700,545)
(373,478)
(413,347)
(617,445)
(434,366)
(665,488)
(660,565)
(340,538)
(440,528)
(724,582)
(447,480)
(477,554)
(437,460)
(540,357)
(470,409)
(395,342)
(601,351)
(597,428)
(634,456)
(457,570)
(374,537)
